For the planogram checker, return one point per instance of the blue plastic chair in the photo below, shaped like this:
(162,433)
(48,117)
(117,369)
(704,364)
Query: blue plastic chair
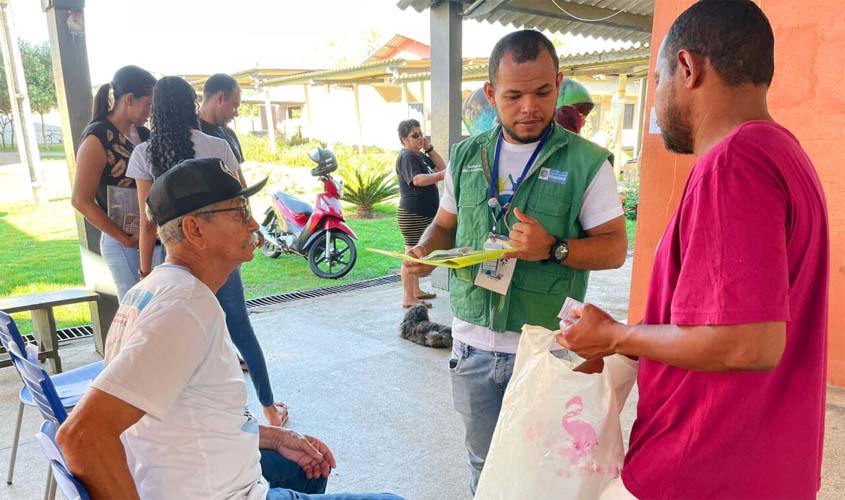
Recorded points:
(68,386)
(70,487)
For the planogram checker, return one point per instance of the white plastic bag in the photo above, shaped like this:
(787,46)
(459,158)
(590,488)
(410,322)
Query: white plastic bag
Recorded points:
(558,434)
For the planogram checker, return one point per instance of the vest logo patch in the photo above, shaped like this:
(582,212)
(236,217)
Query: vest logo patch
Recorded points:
(556,176)
(472,168)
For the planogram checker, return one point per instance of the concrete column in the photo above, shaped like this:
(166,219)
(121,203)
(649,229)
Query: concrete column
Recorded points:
(641,115)
(307,106)
(22,124)
(425,126)
(405,100)
(446,75)
(66,27)
(271,122)
(618,117)
(358,118)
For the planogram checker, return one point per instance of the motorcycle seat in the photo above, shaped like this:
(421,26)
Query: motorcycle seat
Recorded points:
(295,204)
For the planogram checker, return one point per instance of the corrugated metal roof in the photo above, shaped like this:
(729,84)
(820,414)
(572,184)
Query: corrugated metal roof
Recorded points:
(624,20)
(628,61)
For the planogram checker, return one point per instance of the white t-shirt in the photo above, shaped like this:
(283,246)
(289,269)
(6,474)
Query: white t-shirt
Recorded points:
(601,204)
(205,146)
(169,354)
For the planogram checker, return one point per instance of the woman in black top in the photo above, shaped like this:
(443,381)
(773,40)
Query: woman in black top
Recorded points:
(121,108)
(419,168)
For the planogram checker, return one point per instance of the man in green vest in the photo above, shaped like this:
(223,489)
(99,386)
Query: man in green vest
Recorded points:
(553,195)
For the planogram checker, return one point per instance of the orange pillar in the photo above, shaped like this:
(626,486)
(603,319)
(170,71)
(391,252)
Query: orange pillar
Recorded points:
(806,97)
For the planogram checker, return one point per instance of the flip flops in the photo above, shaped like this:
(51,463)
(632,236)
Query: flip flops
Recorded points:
(427,295)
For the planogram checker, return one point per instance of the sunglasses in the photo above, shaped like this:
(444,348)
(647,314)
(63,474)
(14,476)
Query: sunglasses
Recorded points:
(415,135)
(245,211)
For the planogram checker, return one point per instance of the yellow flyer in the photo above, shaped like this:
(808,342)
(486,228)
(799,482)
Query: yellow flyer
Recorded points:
(453,259)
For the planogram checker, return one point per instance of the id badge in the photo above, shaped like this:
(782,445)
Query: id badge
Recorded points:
(496,275)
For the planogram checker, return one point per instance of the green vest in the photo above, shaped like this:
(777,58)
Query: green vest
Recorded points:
(552,193)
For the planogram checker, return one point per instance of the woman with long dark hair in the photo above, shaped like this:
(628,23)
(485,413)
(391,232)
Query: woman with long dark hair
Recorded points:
(176,137)
(121,108)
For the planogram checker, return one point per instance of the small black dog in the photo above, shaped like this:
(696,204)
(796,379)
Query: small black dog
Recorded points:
(418,329)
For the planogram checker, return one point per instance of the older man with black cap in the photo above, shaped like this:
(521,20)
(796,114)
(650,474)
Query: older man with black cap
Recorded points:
(166,418)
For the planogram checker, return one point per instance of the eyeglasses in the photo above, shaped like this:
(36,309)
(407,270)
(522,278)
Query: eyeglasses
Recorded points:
(415,135)
(246,212)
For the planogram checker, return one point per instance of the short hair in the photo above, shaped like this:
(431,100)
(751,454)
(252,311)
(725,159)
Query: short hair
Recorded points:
(220,82)
(405,127)
(734,35)
(523,45)
(171,232)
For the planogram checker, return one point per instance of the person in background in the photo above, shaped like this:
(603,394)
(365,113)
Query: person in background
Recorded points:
(221,98)
(176,137)
(121,108)
(733,345)
(419,168)
(220,102)
(574,104)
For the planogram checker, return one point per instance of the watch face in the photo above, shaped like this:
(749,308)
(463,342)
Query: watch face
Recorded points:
(561,251)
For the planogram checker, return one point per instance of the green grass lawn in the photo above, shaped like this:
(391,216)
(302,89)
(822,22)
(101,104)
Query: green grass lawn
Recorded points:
(631,229)
(41,253)
(54,151)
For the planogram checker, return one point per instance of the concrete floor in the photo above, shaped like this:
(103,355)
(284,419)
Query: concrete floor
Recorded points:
(381,403)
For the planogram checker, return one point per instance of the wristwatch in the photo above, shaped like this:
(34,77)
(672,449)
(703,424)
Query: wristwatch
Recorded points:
(559,251)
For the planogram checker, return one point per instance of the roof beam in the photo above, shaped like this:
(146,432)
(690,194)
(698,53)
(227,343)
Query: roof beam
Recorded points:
(547,8)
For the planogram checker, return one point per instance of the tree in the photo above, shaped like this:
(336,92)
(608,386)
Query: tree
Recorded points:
(38,68)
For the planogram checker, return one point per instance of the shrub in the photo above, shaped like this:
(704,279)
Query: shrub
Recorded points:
(366,185)
(631,200)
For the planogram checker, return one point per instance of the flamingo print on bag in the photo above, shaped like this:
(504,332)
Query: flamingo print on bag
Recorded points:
(584,436)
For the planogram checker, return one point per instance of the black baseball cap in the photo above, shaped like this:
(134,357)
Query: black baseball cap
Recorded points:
(194,184)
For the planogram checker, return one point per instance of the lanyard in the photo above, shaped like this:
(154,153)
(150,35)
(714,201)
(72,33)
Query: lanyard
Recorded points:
(493,201)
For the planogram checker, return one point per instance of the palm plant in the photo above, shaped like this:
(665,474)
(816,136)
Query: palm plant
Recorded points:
(365,186)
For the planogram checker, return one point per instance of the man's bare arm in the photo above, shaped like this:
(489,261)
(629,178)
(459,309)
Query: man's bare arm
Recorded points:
(605,246)
(718,348)
(90,441)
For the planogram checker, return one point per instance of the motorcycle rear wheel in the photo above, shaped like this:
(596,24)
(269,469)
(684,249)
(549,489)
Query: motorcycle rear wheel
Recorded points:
(342,256)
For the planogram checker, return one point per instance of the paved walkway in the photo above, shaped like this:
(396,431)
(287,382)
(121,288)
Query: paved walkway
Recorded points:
(381,403)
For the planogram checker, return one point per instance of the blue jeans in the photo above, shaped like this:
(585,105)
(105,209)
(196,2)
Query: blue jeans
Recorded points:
(231,298)
(479,379)
(123,263)
(288,482)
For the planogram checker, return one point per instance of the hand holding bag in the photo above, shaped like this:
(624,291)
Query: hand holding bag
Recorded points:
(558,433)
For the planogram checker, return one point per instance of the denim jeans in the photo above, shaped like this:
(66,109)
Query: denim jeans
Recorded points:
(123,263)
(231,298)
(288,482)
(479,379)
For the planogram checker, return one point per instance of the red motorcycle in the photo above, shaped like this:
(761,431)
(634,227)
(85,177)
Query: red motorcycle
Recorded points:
(320,234)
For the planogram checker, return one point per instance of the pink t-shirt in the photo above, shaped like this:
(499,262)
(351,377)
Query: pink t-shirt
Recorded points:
(748,244)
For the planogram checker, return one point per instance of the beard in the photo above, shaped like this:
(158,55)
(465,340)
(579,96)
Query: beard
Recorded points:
(526,139)
(676,132)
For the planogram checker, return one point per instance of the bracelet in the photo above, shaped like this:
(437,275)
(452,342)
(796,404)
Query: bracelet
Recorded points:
(429,149)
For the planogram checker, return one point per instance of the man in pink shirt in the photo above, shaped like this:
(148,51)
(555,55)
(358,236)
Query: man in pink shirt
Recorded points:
(732,347)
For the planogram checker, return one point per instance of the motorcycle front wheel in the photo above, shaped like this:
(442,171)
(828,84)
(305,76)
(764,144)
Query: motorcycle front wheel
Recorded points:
(341,256)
